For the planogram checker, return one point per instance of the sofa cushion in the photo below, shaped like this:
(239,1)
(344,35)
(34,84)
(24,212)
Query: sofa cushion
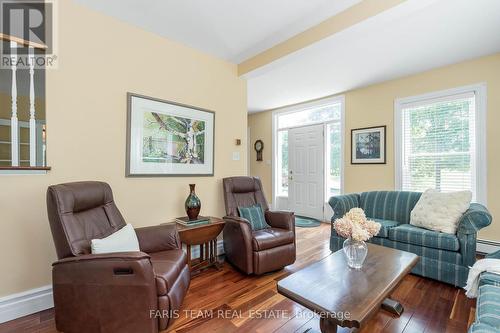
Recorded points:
(440,211)
(488,306)
(385,225)
(167,266)
(452,257)
(389,205)
(271,237)
(406,233)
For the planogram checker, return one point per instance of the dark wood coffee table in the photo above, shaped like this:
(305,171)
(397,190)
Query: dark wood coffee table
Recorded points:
(348,297)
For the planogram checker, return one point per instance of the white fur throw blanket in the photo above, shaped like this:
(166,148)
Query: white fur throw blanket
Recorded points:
(483,265)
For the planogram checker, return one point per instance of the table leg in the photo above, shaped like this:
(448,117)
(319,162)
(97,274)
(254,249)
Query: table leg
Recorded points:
(393,306)
(202,246)
(212,250)
(215,248)
(327,326)
(188,250)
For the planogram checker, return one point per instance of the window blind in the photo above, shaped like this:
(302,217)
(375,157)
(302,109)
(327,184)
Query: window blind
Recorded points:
(439,144)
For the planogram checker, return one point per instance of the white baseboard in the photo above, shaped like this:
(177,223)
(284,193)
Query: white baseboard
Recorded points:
(25,303)
(486,246)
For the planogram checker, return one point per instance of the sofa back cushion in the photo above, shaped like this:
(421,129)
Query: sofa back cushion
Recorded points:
(389,205)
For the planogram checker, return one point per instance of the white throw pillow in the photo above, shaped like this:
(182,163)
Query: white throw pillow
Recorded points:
(440,211)
(123,240)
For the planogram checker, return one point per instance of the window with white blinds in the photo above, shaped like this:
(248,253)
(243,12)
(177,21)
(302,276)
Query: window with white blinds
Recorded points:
(438,143)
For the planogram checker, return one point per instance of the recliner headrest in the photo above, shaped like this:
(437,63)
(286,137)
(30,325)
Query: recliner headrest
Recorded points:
(79,196)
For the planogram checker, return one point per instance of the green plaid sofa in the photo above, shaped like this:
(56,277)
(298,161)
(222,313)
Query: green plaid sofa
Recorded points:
(443,257)
(488,302)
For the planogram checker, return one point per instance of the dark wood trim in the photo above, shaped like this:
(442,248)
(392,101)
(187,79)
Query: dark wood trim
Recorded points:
(21,41)
(21,168)
(385,144)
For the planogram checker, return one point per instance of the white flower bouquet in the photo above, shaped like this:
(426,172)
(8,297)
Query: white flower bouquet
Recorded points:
(356,226)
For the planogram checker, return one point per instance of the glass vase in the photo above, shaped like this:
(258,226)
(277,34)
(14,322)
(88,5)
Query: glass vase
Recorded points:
(355,253)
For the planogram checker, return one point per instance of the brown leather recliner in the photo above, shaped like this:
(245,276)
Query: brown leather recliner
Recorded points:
(116,292)
(259,251)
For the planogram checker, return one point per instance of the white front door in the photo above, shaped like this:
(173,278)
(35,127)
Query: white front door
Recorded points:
(306,170)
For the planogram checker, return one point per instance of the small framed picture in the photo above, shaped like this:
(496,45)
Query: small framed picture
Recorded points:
(368,145)
(168,139)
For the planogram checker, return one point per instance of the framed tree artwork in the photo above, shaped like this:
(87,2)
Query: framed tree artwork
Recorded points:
(368,145)
(168,139)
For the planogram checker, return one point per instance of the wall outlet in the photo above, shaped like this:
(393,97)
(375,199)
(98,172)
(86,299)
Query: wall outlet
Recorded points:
(236,155)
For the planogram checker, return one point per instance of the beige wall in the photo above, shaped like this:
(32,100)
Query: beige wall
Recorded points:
(374,105)
(260,125)
(100,60)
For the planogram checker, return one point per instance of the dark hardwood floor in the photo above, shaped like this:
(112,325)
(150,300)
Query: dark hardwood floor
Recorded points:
(227,301)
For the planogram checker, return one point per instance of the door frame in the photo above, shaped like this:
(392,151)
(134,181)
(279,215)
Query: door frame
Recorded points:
(302,107)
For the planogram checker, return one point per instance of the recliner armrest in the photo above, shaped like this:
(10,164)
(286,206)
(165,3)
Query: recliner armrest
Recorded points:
(281,219)
(238,242)
(102,268)
(236,219)
(104,256)
(474,219)
(84,286)
(158,238)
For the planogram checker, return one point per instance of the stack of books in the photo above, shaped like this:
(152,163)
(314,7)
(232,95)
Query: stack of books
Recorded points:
(186,221)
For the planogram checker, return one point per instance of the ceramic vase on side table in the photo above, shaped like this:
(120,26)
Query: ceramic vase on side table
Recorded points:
(192,204)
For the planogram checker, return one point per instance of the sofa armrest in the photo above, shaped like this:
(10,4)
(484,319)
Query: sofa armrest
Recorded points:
(474,219)
(281,219)
(341,204)
(493,255)
(158,238)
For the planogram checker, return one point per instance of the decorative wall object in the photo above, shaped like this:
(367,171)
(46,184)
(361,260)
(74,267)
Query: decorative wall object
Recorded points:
(168,139)
(192,204)
(368,145)
(259,146)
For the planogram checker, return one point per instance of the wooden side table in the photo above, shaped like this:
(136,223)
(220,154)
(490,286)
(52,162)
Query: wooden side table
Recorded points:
(204,235)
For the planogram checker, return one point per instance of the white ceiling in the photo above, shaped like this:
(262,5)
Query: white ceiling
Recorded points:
(415,36)
(234,30)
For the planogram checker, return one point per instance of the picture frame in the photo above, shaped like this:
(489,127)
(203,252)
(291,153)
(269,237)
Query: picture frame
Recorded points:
(368,145)
(168,139)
